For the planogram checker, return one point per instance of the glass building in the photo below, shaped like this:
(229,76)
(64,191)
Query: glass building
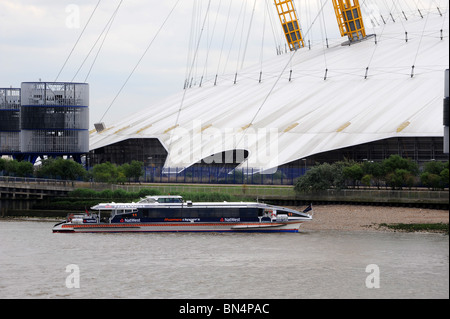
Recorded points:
(9,121)
(54,119)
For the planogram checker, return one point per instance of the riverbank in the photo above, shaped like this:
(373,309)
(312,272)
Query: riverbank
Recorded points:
(363,218)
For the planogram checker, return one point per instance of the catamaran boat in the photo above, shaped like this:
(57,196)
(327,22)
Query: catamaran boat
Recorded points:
(173,214)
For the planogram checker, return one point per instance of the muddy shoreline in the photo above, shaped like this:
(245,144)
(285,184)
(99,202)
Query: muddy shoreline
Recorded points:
(358,217)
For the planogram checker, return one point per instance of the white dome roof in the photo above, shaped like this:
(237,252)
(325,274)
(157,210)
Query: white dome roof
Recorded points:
(279,121)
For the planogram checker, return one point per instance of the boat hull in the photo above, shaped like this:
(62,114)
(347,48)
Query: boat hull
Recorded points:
(177,227)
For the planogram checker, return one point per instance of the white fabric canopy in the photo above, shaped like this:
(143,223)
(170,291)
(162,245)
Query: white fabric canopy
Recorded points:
(279,121)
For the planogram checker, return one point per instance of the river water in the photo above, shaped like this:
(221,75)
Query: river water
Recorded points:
(35,263)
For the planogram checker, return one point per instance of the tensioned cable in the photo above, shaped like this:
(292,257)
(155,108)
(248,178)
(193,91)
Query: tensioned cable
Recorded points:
(445,19)
(275,37)
(322,27)
(437,7)
(418,9)
(420,41)
(76,43)
(190,72)
(375,49)
(401,20)
(407,4)
(191,41)
(262,45)
(196,59)
(223,40)
(248,34)
(275,83)
(278,78)
(195,25)
(373,19)
(389,10)
(240,41)
(420,3)
(99,49)
(234,35)
(204,74)
(109,23)
(308,19)
(401,9)
(198,42)
(137,64)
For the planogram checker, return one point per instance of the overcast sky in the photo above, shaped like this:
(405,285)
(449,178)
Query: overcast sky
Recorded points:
(37,36)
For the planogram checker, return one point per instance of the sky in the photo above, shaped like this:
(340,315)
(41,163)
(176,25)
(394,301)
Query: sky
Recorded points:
(38,37)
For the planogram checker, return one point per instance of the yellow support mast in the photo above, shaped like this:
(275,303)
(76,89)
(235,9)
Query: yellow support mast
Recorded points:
(348,15)
(289,21)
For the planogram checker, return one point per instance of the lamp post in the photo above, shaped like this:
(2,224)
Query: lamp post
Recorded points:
(304,161)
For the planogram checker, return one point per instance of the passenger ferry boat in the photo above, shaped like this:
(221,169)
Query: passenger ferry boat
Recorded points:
(172,214)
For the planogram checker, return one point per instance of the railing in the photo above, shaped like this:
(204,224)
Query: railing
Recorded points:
(278,192)
(218,175)
(381,195)
(8,180)
(288,193)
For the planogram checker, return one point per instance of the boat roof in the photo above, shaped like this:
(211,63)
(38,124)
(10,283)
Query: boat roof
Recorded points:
(164,196)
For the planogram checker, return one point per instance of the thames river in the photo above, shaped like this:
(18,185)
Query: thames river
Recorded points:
(35,263)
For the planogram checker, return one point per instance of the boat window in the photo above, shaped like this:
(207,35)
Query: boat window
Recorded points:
(169,200)
(248,212)
(288,213)
(125,211)
(147,200)
(200,212)
(219,212)
(161,213)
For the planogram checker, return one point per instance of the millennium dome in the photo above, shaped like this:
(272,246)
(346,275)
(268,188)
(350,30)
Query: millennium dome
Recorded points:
(363,98)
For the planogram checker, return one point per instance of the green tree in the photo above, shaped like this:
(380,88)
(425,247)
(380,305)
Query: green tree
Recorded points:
(399,171)
(108,173)
(366,180)
(354,173)
(444,177)
(340,181)
(105,173)
(434,167)
(435,175)
(134,170)
(375,171)
(11,167)
(394,162)
(24,169)
(400,178)
(319,177)
(16,168)
(2,164)
(60,168)
(431,180)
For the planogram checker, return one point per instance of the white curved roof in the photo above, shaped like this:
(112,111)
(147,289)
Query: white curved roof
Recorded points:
(279,121)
